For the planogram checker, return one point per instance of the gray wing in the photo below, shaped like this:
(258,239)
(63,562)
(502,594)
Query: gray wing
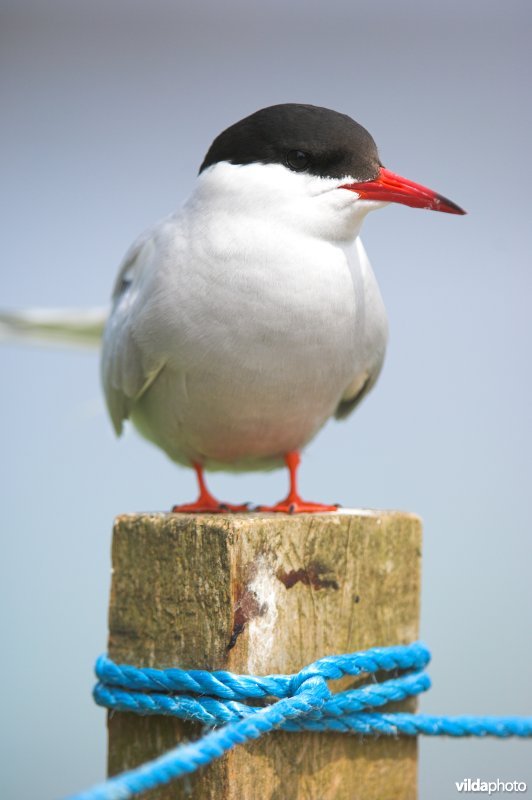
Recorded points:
(347,405)
(373,338)
(129,367)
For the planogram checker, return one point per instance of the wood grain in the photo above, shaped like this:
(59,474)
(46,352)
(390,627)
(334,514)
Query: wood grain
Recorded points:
(261,593)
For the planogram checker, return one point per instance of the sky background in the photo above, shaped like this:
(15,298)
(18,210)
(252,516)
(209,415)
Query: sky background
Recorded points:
(108,108)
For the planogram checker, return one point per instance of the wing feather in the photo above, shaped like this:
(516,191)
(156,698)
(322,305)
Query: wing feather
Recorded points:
(129,368)
(348,404)
(372,337)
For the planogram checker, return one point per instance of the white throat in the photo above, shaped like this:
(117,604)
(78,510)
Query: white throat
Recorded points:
(312,205)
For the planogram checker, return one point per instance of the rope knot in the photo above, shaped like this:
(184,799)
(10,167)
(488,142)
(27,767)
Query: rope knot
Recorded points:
(290,702)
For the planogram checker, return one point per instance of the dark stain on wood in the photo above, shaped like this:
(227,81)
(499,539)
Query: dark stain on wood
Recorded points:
(315,575)
(246,607)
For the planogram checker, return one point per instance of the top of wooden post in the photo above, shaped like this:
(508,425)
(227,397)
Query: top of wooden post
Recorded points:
(259,592)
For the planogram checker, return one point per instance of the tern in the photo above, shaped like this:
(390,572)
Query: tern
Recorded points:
(245,320)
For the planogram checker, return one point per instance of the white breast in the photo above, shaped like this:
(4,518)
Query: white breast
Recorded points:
(263,329)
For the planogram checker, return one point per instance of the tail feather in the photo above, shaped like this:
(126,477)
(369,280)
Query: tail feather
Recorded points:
(75,327)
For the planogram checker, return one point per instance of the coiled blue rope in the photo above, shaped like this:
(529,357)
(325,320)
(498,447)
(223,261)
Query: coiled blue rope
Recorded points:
(292,702)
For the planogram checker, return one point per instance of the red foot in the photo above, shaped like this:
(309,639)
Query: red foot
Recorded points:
(208,506)
(295,505)
(206,503)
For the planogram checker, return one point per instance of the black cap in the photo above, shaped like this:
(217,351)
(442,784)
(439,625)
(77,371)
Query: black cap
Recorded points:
(303,138)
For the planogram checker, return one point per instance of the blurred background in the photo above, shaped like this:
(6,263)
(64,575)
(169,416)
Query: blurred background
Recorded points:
(108,109)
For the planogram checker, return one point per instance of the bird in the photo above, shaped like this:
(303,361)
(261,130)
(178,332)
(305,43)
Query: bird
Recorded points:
(245,320)
(242,322)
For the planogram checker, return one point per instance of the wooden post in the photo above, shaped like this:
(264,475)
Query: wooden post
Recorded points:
(261,593)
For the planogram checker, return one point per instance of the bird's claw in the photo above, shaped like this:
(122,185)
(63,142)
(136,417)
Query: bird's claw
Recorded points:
(295,505)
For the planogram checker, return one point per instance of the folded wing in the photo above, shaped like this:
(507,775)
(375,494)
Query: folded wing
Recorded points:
(129,367)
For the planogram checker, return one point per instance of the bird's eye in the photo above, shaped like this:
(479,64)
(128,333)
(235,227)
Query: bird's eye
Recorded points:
(297,160)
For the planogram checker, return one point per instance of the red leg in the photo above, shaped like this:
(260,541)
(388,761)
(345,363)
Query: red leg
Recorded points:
(206,503)
(293,504)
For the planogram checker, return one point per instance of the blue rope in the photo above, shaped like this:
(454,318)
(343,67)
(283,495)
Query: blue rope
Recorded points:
(292,702)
